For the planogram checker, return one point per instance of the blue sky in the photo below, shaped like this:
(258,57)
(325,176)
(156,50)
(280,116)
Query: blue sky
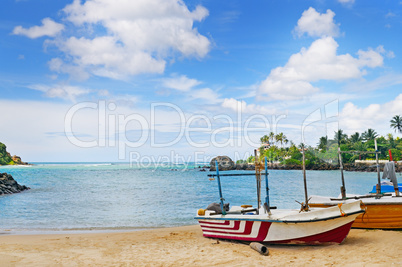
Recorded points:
(186,80)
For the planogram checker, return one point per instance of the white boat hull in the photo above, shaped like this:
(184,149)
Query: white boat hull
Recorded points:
(319,226)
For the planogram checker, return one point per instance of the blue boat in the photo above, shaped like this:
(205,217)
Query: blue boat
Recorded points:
(386,188)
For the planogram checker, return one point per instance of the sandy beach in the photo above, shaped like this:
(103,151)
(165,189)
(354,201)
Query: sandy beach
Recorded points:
(185,246)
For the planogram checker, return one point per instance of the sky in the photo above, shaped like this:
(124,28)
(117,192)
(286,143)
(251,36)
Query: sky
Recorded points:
(174,81)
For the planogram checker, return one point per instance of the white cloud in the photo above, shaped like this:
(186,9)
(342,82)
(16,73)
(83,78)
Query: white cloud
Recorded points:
(205,94)
(67,92)
(181,83)
(347,2)
(137,36)
(319,62)
(76,72)
(48,28)
(370,58)
(242,106)
(103,56)
(315,24)
(376,116)
(381,83)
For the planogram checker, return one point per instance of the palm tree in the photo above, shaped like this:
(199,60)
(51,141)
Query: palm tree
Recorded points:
(271,136)
(340,137)
(264,139)
(356,137)
(391,141)
(285,139)
(370,134)
(279,138)
(360,146)
(323,143)
(396,123)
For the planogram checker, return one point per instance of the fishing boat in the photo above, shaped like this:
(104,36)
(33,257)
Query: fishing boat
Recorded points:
(277,226)
(382,212)
(383,209)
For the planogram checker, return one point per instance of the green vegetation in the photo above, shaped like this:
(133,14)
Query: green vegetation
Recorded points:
(290,156)
(396,123)
(327,149)
(5,158)
(363,142)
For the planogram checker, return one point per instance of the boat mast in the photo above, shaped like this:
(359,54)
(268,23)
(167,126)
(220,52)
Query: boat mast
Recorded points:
(343,188)
(268,208)
(220,188)
(306,207)
(376,152)
(258,178)
(378,187)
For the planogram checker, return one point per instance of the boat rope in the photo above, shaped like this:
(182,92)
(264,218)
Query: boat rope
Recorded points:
(343,214)
(363,206)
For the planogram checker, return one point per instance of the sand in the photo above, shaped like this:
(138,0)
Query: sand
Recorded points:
(185,246)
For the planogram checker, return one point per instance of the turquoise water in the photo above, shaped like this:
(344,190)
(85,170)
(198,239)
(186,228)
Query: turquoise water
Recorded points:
(90,196)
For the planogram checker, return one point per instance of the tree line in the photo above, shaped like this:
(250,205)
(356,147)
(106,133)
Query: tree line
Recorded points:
(327,148)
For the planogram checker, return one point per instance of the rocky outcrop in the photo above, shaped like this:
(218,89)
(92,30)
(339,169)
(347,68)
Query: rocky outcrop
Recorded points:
(9,186)
(7,159)
(17,160)
(224,163)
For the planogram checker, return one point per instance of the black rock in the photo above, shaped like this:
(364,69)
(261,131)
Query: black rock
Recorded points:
(9,186)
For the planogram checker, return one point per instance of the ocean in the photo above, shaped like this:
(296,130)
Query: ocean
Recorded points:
(107,197)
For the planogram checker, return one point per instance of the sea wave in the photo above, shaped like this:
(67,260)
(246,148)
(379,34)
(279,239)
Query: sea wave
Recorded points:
(97,164)
(16,166)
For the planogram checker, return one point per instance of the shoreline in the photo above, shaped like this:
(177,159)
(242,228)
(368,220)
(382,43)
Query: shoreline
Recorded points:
(186,246)
(23,232)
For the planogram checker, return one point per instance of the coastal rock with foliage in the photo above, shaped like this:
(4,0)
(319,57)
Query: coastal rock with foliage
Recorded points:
(9,186)
(224,162)
(7,159)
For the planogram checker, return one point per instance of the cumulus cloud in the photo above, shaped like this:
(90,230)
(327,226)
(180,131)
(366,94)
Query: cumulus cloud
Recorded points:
(315,24)
(76,72)
(318,62)
(136,36)
(66,92)
(48,28)
(205,94)
(182,83)
(236,105)
(104,56)
(357,119)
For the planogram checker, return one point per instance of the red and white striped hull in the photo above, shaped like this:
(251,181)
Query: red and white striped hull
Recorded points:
(284,226)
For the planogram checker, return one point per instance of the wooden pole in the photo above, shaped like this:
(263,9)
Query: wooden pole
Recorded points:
(343,188)
(258,179)
(306,208)
(220,188)
(378,168)
(266,187)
